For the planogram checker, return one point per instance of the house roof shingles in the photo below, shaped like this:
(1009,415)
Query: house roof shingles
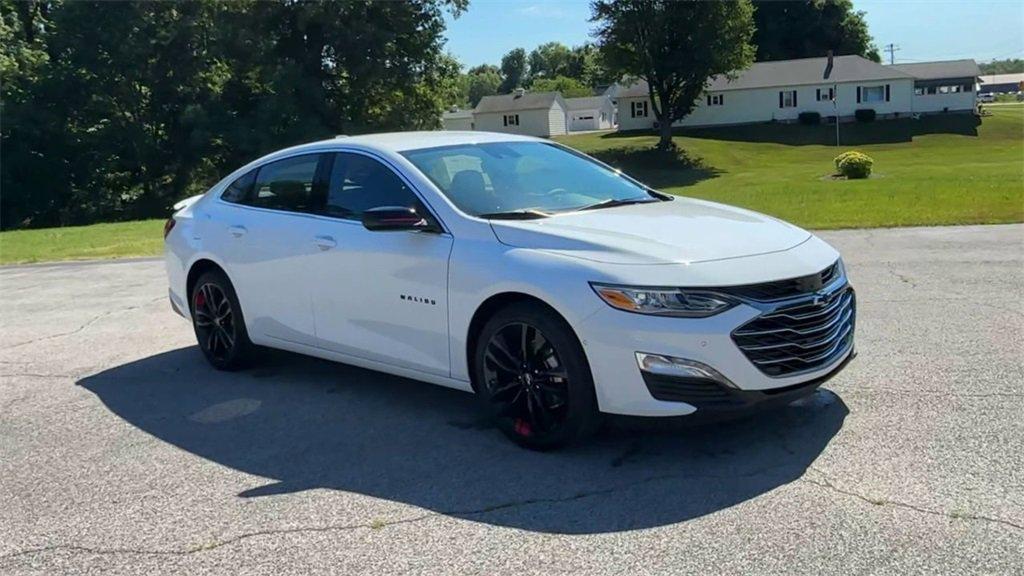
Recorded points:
(586,103)
(939,70)
(800,72)
(511,102)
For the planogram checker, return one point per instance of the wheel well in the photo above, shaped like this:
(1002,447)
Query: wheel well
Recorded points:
(199,268)
(487,309)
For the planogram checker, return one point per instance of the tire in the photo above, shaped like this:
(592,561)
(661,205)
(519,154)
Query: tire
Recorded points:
(222,337)
(546,399)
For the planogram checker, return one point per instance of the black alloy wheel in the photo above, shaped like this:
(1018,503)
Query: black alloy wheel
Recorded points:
(218,322)
(526,380)
(533,379)
(215,325)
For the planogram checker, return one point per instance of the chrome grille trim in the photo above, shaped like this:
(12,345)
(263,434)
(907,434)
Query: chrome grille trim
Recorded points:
(801,334)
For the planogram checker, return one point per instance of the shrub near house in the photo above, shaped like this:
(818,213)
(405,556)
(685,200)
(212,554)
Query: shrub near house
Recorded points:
(854,164)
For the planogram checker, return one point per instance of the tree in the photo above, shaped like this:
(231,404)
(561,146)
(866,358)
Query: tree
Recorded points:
(549,60)
(569,87)
(117,110)
(1010,66)
(482,84)
(810,28)
(587,66)
(513,70)
(676,47)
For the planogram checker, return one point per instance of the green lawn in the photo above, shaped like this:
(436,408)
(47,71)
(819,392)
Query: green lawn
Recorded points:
(118,240)
(937,170)
(933,171)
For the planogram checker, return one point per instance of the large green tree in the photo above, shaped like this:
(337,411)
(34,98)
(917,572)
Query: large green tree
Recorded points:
(676,47)
(514,70)
(550,60)
(117,110)
(809,28)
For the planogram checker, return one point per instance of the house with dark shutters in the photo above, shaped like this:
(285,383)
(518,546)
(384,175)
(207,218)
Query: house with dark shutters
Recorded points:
(779,91)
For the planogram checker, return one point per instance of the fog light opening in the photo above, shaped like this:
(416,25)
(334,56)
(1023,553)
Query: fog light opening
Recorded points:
(679,368)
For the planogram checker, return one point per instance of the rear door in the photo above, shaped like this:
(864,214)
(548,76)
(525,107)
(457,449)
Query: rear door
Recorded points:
(268,245)
(381,296)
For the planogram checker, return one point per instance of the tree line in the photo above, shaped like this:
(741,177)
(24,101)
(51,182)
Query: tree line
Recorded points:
(116,110)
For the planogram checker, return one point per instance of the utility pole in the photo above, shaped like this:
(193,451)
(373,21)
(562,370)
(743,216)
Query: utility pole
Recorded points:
(892,49)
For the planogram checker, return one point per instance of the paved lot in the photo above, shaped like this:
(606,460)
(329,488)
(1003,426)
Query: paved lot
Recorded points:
(121,452)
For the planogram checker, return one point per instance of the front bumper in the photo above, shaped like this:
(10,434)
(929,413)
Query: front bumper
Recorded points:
(612,338)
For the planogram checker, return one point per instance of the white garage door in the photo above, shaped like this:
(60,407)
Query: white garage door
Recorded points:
(584,121)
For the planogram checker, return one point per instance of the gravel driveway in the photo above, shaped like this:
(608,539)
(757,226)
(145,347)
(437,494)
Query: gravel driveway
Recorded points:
(121,452)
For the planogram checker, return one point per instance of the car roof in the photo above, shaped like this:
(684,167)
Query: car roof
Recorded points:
(403,141)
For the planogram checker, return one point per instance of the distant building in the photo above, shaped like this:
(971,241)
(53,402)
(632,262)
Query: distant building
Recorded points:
(530,113)
(591,113)
(1002,84)
(781,90)
(457,120)
(943,86)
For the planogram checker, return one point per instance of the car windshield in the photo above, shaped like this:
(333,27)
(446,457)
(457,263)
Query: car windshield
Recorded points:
(528,178)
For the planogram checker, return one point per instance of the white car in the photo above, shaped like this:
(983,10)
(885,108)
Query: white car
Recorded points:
(986,97)
(553,286)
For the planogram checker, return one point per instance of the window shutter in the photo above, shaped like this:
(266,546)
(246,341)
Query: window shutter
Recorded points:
(709,99)
(794,99)
(780,99)
(817,94)
(858,94)
(831,93)
(721,99)
(886,92)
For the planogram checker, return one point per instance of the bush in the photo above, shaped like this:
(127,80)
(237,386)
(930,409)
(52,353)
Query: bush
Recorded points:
(854,164)
(810,118)
(865,115)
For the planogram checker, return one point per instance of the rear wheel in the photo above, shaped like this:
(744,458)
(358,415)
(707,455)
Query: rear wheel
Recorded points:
(532,377)
(218,322)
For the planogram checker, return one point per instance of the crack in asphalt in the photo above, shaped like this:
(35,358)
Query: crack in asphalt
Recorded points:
(82,327)
(824,482)
(376,525)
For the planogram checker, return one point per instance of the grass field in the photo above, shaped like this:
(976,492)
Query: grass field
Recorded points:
(938,170)
(117,240)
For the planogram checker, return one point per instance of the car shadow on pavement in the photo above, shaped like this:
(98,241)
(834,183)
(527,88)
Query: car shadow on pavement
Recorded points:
(306,423)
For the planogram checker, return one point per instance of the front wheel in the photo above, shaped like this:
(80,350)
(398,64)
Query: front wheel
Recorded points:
(218,322)
(532,377)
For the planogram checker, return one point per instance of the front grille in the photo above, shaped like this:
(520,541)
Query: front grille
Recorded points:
(782,289)
(801,337)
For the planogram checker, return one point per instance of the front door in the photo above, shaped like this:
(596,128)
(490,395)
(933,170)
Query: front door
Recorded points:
(381,296)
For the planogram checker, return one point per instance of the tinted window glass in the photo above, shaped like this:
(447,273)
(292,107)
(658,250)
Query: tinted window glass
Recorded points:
(287,185)
(239,189)
(359,183)
(504,176)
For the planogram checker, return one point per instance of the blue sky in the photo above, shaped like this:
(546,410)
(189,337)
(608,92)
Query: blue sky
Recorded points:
(923,29)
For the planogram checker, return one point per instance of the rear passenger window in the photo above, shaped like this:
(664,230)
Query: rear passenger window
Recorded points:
(359,183)
(287,185)
(238,190)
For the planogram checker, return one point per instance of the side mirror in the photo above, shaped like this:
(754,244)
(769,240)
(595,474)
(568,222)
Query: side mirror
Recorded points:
(392,218)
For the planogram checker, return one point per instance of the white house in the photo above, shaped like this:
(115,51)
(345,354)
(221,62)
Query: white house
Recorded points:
(943,86)
(781,90)
(457,120)
(591,113)
(530,113)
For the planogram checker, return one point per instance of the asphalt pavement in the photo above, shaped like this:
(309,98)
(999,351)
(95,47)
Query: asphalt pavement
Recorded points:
(122,452)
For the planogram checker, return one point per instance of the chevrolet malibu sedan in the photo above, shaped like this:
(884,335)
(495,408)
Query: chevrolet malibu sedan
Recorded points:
(552,286)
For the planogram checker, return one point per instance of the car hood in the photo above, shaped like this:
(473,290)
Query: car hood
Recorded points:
(683,231)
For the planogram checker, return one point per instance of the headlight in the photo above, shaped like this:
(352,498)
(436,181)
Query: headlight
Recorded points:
(663,301)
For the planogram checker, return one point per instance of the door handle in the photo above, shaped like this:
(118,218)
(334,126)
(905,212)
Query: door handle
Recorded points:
(237,231)
(325,242)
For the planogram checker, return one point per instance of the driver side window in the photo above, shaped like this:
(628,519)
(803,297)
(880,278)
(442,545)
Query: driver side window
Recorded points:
(359,183)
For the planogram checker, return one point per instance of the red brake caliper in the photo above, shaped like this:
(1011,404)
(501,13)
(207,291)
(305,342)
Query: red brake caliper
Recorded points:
(200,299)
(522,427)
